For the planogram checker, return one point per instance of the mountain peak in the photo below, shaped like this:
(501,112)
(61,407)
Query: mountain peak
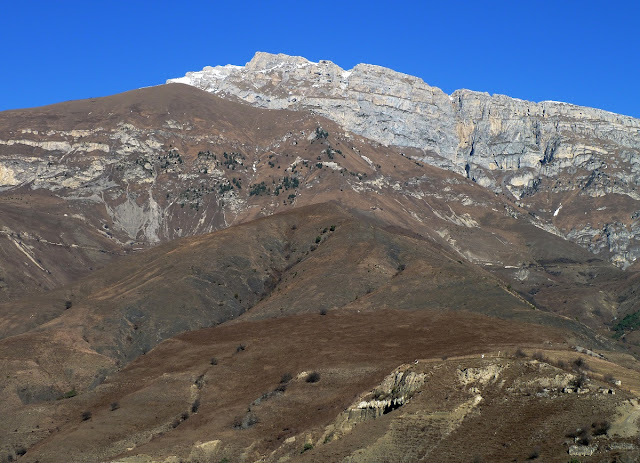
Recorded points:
(263,61)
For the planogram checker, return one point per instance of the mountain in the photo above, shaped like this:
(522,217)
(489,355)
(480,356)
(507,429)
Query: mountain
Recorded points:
(188,277)
(555,158)
(218,166)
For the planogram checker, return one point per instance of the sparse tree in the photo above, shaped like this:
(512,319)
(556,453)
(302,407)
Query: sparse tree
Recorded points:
(600,428)
(195,406)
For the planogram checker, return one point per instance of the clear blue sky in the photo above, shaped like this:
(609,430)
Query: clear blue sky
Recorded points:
(586,53)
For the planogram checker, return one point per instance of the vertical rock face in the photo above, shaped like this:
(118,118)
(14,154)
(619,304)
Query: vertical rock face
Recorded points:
(545,154)
(470,130)
(380,104)
(503,134)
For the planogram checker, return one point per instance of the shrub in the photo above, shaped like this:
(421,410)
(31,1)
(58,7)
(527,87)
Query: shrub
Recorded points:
(195,406)
(184,416)
(213,361)
(323,312)
(609,378)
(519,353)
(86,415)
(580,364)
(321,133)
(313,377)
(332,228)
(573,434)
(114,406)
(68,304)
(240,348)
(318,239)
(585,439)
(69,394)
(535,453)
(306,447)
(285,378)
(600,428)
(581,435)
(20,451)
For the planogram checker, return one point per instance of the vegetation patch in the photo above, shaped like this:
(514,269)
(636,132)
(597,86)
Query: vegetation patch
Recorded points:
(231,160)
(629,323)
(258,189)
(69,394)
(321,133)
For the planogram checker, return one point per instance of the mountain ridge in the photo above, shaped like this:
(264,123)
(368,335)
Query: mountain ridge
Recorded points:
(265,61)
(538,153)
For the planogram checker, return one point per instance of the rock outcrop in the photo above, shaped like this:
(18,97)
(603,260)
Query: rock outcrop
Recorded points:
(392,393)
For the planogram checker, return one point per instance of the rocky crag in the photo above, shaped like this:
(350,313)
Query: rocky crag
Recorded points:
(547,155)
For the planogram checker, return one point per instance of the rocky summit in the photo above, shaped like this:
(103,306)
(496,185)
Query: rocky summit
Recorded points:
(287,261)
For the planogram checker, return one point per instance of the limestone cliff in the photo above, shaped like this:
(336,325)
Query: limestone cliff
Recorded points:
(470,130)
